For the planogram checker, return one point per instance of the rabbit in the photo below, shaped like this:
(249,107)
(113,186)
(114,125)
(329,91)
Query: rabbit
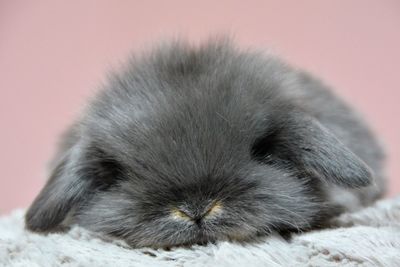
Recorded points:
(192,144)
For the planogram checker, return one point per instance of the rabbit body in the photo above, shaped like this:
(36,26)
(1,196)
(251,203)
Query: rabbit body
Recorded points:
(197,144)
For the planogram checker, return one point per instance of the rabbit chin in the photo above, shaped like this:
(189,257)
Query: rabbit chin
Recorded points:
(197,237)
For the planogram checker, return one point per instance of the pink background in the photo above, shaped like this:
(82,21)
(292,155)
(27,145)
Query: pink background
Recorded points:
(53,55)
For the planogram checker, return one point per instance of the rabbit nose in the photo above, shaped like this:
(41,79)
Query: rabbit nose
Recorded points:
(198,219)
(189,215)
(205,211)
(195,214)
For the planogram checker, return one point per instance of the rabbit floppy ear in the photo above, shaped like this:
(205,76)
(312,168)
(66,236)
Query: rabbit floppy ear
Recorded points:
(65,188)
(80,172)
(315,151)
(321,154)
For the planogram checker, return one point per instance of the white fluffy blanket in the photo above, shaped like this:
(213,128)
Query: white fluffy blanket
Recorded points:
(370,237)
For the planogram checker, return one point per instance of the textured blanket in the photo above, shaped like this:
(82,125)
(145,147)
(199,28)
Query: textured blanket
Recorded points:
(370,237)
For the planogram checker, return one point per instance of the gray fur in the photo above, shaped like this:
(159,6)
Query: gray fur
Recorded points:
(183,127)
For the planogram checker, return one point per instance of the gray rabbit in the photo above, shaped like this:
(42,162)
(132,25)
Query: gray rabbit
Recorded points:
(195,144)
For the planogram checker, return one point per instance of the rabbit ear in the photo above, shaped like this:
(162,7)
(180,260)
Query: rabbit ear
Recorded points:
(65,188)
(321,154)
(79,173)
(314,150)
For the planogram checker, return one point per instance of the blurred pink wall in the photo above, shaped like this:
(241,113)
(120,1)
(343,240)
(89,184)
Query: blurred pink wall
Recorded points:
(53,54)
